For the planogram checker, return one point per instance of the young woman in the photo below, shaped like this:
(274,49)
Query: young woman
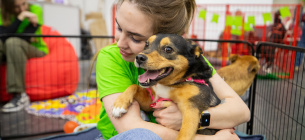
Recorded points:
(17,16)
(136,21)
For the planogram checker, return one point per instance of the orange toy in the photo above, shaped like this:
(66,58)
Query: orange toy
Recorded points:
(70,126)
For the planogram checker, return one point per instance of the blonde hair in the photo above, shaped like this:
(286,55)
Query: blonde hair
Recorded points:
(169,16)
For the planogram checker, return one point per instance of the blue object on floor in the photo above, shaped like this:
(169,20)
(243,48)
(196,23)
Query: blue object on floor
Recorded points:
(88,134)
(244,136)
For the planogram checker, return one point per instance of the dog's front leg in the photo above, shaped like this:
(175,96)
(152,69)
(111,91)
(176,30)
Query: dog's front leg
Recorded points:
(122,103)
(190,120)
(144,99)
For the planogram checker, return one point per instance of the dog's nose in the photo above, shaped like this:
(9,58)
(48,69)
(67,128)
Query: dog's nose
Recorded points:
(141,58)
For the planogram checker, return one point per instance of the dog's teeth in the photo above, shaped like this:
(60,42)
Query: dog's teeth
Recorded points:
(148,80)
(163,70)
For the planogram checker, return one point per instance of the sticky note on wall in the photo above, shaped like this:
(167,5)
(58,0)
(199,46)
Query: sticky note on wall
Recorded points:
(284,11)
(238,21)
(236,32)
(229,21)
(248,27)
(267,17)
(215,18)
(251,20)
(202,14)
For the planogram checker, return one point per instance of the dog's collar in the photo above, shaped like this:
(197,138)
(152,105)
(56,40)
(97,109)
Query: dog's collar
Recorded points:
(153,99)
(200,81)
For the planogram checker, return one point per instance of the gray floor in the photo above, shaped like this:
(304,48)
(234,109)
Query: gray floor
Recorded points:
(279,108)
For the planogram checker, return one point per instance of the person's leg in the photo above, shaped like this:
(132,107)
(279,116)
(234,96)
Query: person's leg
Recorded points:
(2,50)
(17,53)
(267,56)
(301,43)
(136,134)
(271,59)
(299,55)
(297,59)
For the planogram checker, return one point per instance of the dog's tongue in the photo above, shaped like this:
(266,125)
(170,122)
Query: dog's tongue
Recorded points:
(151,74)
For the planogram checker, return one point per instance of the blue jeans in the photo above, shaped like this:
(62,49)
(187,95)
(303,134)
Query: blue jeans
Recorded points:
(134,134)
(299,55)
(91,133)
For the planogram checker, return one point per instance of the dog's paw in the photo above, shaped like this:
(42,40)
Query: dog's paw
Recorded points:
(118,112)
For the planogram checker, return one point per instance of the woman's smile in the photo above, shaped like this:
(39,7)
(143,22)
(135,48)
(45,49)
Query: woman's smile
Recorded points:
(124,53)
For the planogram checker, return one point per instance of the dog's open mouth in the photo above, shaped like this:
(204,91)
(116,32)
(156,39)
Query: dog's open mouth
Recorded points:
(150,77)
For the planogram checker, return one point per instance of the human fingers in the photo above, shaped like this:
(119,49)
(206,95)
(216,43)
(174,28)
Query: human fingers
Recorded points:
(165,107)
(23,15)
(169,122)
(34,20)
(157,113)
(162,104)
(169,117)
(27,14)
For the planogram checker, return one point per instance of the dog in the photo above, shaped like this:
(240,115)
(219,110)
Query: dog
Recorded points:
(240,74)
(173,66)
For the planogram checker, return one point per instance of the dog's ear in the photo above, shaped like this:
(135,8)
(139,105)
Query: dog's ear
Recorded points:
(253,67)
(233,58)
(195,49)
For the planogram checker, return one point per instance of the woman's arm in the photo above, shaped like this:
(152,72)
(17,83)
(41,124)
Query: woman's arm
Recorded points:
(33,19)
(11,28)
(132,120)
(232,112)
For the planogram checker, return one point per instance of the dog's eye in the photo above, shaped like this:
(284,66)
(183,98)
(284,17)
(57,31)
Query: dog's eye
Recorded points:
(146,45)
(168,49)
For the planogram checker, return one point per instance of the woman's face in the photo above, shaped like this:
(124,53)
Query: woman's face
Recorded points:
(133,29)
(20,6)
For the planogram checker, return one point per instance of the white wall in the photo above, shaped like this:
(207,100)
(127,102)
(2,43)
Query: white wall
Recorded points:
(285,1)
(104,6)
(235,1)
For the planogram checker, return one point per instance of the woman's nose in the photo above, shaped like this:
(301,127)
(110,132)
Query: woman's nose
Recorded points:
(122,41)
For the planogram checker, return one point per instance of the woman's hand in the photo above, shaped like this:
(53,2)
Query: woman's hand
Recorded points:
(168,114)
(32,17)
(226,134)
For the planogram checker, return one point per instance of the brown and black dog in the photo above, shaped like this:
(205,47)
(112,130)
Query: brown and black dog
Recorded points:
(169,60)
(240,74)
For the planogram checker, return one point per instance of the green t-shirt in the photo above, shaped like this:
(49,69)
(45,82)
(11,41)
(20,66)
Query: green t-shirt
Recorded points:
(114,75)
(37,10)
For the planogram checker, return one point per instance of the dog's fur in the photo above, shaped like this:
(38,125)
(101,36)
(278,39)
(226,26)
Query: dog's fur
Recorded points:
(173,59)
(240,73)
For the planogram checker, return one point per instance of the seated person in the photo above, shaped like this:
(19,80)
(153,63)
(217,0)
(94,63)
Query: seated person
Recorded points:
(18,16)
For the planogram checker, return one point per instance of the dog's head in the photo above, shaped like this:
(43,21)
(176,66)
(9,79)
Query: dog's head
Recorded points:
(168,59)
(250,61)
